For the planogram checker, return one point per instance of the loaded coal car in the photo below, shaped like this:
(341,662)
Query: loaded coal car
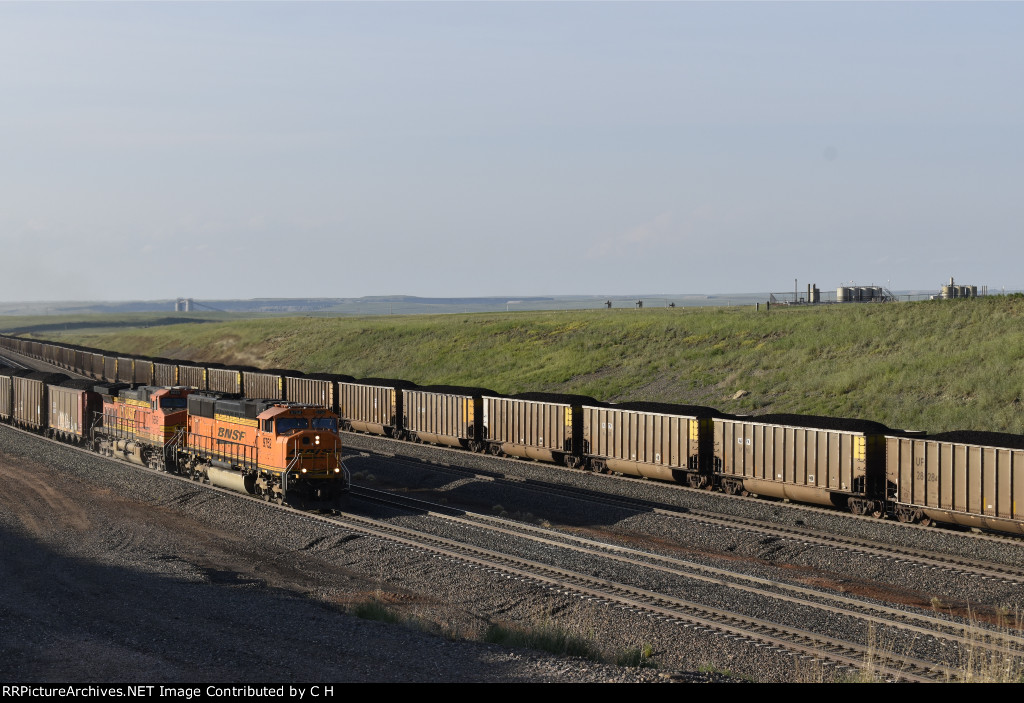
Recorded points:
(804,458)
(281,451)
(110,370)
(259,383)
(374,406)
(31,399)
(452,416)
(143,424)
(319,389)
(223,379)
(75,407)
(7,391)
(143,372)
(192,375)
(124,369)
(94,363)
(653,440)
(76,359)
(539,426)
(973,479)
(165,372)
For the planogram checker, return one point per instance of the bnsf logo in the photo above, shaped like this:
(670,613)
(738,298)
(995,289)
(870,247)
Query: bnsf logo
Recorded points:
(234,435)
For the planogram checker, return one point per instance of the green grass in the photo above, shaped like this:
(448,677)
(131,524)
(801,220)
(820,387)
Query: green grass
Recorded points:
(377,611)
(641,657)
(547,637)
(930,365)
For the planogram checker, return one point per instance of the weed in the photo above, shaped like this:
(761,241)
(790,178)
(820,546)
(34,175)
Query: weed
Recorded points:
(992,655)
(375,610)
(547,637)
(642,657)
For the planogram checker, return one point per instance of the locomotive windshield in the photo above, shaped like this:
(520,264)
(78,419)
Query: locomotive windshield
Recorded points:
(325,423)
(173,402)
(289,424)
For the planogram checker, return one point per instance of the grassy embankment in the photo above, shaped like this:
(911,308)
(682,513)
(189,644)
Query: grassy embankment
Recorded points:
(934,365)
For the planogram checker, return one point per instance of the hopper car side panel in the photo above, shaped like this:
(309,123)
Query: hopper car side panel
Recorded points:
(224,380)
(192,376)
(311,391)
(654,445)
(30,403)
(124,369)
(531,429)
(963,484)
(804,464)
(438,417)
(110,368)
(257,384)
(165,374)
(72,412)
(6,398)
(143,372)
(371,409)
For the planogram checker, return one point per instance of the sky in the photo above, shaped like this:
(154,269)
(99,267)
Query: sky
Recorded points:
(153,150)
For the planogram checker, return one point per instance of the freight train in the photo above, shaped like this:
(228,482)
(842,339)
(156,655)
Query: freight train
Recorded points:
(970,479)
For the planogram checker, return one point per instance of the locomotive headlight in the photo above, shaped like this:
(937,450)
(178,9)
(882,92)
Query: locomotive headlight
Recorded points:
(317,439)
(303,471)
(337,471)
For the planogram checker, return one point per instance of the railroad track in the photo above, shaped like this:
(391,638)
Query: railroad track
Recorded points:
(931,559)
(878,617)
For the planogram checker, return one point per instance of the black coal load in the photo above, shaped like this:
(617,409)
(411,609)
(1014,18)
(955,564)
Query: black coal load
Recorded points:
(672,409)
(817,422)
(562,398)
(987,439)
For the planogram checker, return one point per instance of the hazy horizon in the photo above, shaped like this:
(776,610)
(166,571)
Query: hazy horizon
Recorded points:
(350,149)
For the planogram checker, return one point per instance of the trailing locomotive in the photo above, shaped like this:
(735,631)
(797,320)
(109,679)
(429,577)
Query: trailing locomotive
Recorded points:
(969,479)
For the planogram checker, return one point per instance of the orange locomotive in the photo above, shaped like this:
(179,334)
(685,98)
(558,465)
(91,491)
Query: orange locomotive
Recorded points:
(282,451)
(143,424)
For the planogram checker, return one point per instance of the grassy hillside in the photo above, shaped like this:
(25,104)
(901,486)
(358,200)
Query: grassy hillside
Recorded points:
(933,365)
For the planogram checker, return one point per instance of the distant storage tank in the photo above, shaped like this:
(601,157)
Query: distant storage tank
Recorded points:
(951,290)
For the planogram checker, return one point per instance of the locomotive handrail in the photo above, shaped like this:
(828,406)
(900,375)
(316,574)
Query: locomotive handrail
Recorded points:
(174,443)
(241,454)
(344,469)
(287,470)
(119,427)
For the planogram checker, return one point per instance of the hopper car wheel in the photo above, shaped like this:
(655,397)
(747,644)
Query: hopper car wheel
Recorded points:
(494,449)
(733,488)
(904,514)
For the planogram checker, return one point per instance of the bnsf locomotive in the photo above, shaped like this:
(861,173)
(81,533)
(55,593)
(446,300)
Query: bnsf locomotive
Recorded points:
(972,479)
(279,450)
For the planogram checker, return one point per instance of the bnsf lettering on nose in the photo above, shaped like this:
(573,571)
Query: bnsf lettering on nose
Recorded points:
(225,433)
